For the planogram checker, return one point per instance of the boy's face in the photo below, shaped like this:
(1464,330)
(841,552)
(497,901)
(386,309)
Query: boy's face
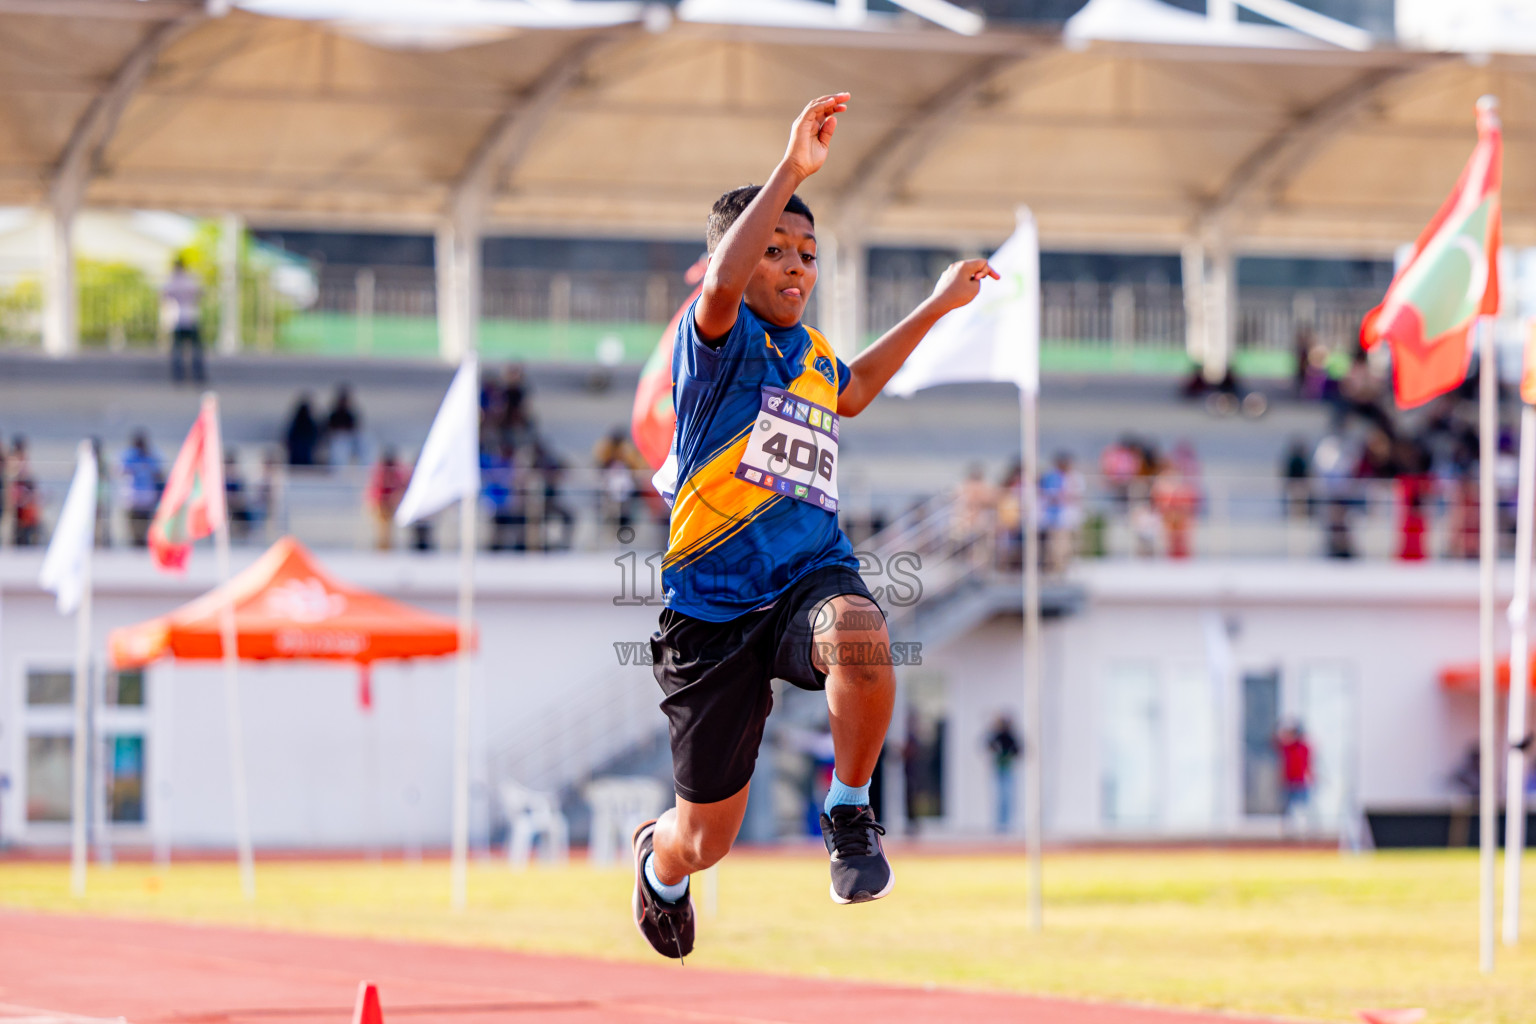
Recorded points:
(782,281)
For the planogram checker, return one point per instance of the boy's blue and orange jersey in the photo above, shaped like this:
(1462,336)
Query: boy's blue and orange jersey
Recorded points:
(733,545)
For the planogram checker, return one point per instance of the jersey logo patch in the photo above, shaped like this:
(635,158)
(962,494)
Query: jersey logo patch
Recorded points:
(823,366)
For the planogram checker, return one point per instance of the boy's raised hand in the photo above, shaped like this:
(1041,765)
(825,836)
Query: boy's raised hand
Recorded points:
(961,282)
(811,135)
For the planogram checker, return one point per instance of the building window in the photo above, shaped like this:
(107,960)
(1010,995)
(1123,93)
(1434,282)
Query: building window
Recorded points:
(124,689)
(124,770)
(49,768)
(47,687)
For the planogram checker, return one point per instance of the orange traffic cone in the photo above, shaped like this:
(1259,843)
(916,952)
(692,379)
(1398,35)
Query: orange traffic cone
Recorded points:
(367,1011)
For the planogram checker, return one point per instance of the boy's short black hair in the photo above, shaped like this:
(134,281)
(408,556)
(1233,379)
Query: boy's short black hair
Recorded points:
(730,206)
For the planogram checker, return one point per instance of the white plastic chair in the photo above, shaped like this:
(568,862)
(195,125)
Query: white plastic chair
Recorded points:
(620,804)
(532,814)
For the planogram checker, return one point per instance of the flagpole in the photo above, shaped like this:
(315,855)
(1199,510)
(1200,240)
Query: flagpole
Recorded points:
(229,647)
(1488,373)
(1519,678)
(78,811)
(1033,787)
(460,866)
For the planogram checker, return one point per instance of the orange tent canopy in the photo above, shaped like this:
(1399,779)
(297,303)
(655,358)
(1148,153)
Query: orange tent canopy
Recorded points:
(287,606)
(1465,678)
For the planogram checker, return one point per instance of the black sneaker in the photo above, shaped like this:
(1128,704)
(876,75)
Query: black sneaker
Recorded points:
(667,926)
(860,872)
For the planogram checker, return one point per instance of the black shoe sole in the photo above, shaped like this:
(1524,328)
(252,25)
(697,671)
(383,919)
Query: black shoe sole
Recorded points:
(863,897)
(637,901)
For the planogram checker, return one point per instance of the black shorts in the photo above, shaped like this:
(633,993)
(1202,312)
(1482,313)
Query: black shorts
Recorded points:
(717,676)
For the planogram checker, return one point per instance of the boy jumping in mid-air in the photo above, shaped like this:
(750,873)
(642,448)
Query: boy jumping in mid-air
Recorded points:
(759,582)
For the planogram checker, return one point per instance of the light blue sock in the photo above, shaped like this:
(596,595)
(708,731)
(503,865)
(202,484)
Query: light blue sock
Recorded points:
(670,893)
(842,793)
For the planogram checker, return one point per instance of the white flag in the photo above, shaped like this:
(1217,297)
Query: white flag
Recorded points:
(449,466)
(997,336)
(69,550)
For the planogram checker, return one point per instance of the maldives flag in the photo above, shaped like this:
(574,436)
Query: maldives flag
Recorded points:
(654,419)
(1451,279)
(192,504)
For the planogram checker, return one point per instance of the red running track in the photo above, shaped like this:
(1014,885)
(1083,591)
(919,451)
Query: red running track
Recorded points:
(62,968)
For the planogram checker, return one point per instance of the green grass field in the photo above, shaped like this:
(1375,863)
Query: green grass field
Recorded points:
(1299,934)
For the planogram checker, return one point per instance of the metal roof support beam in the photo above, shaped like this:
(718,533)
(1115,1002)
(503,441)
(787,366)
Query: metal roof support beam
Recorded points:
(72,174)
(500,150)
(878,175)
(1287,150)
(880,172)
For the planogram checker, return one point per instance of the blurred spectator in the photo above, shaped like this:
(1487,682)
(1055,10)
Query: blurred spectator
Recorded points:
(550,470)
(1295,772)
(1506,477)
(975,509)
(1120,464)
(386,486)
(1005,748)
(1340,539)
(142,480)
(620,467)
(1415,486)
(1010,518)
(1297,472)
(1176,501)
(505,420)
(343,430)
(1302,353)
(1061,512)
(264,504)
(1468,776)
(1464,526)
(499,496)
(24,502)
(303,434)
(184,294)
(1360,394)
(103,495)
(236,500)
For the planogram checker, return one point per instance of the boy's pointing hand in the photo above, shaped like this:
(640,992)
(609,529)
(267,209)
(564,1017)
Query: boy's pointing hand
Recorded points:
(811,135)
(960,283)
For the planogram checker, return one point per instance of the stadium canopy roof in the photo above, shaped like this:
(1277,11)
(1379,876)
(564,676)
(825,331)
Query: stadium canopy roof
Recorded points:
(1137,126)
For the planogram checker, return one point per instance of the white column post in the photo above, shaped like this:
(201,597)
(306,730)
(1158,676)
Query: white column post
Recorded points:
(1519,680)
(1221,313)
(458,287)
(1193,273)
(61,298)
(1488,372)
(231,233)
(842,309)
(365,300)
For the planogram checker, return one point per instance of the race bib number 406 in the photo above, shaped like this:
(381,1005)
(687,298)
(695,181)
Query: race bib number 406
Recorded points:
(792,450)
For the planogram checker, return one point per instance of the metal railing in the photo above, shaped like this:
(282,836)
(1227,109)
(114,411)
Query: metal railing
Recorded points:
(1227,516)
(355,302)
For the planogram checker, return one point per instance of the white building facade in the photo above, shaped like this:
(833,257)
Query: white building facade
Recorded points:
(1163,690)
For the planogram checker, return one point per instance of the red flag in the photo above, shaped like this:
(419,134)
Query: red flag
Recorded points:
(654,419)
(192,504)
(1451,279)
